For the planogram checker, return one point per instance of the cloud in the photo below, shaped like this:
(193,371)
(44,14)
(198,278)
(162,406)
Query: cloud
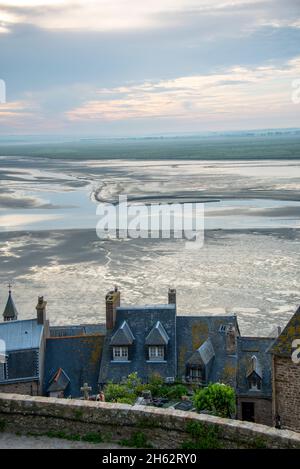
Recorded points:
(111,15)
(264,89)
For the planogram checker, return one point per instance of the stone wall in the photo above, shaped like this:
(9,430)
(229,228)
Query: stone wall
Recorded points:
(286,392)
(262,409)
(30,388)
(164,428)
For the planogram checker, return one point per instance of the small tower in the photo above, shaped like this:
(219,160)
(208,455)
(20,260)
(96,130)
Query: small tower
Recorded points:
(10,311)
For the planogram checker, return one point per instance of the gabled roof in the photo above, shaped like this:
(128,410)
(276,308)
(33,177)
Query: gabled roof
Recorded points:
(283,344)
(248,348)
(193,331)
(141,320)
(123,336)
(21,335)
(254,367)
(10,311)
(59,382)
(157,335)
(79,357)
(203,355)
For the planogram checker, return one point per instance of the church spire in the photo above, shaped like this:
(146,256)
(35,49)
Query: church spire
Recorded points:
(10,311)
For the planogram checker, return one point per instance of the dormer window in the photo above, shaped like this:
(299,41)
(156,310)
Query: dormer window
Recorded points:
(120,353)
(156,343)
(156,352)
(254,382)
(121,340)
(254,375)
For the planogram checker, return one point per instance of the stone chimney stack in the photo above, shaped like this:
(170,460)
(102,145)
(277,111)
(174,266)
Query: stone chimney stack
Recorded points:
(113,300)
(231,341)
(41,311)
(172,296)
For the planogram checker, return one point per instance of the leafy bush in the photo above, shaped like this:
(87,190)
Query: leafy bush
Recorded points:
(176,391)
(129,389)
(217,398)
(126,400)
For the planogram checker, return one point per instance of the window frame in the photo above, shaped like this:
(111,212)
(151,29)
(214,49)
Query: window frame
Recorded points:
(120,353)
(159,355)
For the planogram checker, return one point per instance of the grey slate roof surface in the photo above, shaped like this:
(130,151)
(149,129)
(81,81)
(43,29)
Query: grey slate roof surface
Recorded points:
(193,331)
(75,330)
(141,320)
(10,310)
(258,347)
(203,355)
(59,382)
(79,357)
(122,336)
(283,344)
(21,335)
(157,335)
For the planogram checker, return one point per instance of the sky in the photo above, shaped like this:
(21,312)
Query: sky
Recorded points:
(133,67)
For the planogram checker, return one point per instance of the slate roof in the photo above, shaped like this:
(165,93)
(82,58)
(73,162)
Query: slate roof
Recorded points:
(79,357)
(157,335)
(123,335)
(193,332)
(283,344)
(10,310)
(21,335)
(258,347)
(59,382)
(141,320)
(75,330)
(203,355)
(255,367)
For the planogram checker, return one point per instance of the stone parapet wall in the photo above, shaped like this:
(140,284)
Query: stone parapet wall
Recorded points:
(164,428)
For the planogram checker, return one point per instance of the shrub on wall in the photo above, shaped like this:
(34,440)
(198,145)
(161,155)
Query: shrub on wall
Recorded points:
(217,398)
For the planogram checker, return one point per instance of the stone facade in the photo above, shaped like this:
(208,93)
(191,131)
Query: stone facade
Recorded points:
(262,409)
(164,428)
(30,388)
(286,392)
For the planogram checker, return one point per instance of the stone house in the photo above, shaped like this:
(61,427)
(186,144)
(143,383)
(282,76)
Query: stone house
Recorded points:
(286,376)
(22,366)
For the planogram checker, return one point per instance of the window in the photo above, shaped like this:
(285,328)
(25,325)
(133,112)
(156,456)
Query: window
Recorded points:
(156,353)
(120,354)
(195,374)
(2,371)
(254,382)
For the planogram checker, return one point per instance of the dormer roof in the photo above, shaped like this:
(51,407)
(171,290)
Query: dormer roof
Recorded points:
(254,367)
(157,335)
(59,382)
(203,355)
(123,335)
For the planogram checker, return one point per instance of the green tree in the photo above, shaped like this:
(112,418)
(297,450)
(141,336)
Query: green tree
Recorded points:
(217,398)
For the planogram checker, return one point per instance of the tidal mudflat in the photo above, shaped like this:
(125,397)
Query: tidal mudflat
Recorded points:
(249,263)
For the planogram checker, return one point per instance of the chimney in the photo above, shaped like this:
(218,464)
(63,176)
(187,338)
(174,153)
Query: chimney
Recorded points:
(231,341)
(112,301)
(41,311)
(172,296)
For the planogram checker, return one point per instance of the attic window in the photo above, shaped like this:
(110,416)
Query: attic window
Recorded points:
(254,382)
(156,353)
(120,354)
